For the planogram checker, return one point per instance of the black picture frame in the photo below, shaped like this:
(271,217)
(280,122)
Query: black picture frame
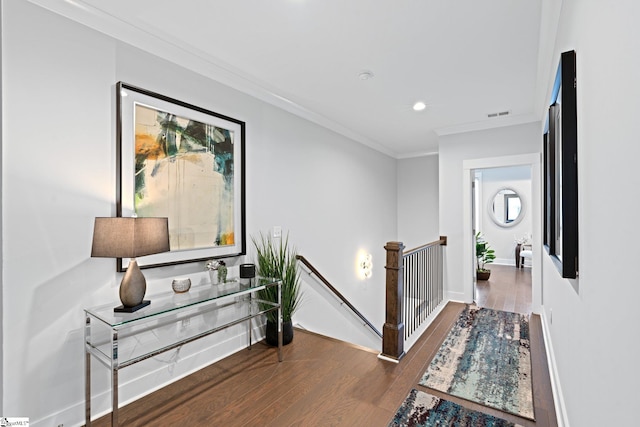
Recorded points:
(209,146)
(560,186)
(548,172)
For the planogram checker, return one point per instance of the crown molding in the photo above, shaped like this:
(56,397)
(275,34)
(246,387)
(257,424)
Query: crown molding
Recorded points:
(417,154)
(489,124)
(197,61)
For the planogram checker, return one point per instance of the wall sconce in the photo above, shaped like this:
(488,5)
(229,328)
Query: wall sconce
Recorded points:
(366,265)
(130,238)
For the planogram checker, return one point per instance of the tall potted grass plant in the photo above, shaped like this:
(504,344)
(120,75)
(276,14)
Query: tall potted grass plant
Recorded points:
(278,260)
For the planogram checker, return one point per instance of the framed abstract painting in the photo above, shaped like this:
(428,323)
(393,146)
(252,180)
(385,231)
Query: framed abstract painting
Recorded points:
(185,163)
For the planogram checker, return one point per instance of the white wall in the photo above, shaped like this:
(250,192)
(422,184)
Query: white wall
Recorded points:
(417,210)
(502,239)
(1,240)
(453,151)
(418,201)
(334,196)
(592,321)
(325,314)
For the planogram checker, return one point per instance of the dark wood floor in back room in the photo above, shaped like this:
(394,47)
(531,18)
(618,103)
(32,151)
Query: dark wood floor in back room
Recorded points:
(323,382)
(508,289)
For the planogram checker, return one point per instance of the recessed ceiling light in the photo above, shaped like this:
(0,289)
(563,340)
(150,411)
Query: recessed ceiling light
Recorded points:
(365,75)
(419,106)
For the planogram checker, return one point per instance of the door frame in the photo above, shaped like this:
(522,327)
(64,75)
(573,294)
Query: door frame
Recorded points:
(468,166)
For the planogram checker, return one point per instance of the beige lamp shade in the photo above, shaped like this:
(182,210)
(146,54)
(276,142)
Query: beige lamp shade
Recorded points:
(129,237)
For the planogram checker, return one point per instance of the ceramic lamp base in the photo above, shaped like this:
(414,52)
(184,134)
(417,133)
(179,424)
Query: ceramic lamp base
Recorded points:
(133,288)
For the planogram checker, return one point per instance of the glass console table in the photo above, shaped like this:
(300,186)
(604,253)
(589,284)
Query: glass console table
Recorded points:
(173,319)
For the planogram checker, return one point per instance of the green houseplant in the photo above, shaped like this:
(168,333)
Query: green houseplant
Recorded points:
(484,255)
(278,260)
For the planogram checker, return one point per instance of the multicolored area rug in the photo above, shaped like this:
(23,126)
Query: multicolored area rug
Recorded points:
(423,409)
(486,359)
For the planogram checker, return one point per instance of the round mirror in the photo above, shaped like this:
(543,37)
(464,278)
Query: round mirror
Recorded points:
(506,208)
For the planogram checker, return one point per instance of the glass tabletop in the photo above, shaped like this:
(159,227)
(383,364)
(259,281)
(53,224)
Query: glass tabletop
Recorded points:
(170,301)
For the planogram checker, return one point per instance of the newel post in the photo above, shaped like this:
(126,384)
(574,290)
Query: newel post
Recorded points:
(393,329)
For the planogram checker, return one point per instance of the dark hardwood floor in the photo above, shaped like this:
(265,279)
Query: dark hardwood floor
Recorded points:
(508,289)
(321,382)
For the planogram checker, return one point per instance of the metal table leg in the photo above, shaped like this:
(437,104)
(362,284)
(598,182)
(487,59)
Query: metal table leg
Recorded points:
(280,321)
(87,373)
(114,380)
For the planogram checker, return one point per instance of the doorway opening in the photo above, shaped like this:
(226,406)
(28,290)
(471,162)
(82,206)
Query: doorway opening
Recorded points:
(501,216)
(501,201)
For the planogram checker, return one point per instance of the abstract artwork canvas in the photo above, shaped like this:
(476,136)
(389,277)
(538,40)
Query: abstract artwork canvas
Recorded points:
(184,163)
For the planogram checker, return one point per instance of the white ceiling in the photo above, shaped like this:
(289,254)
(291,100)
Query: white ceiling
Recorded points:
(463,58)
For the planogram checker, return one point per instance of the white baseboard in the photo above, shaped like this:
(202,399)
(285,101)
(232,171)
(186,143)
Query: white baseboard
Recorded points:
(503,261)
(558,398)
(387,359)
(456,297)
(171,368)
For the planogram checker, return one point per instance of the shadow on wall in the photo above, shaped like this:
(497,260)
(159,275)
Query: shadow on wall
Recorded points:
(322,312)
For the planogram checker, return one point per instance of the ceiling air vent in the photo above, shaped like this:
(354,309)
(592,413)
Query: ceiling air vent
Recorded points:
(498,114)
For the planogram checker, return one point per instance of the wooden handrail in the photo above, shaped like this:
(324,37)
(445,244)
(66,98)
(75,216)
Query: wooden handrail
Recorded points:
(442,241)
(337,293)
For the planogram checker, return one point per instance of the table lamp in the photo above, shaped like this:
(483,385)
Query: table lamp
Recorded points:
(130,238)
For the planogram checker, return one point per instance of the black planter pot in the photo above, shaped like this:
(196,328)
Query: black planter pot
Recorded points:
(483,275)
(272,333)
